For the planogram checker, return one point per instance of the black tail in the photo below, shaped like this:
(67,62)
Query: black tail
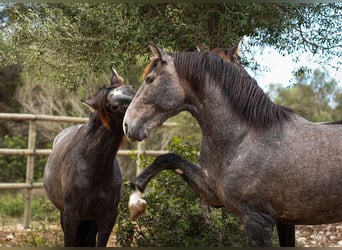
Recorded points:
(86,233)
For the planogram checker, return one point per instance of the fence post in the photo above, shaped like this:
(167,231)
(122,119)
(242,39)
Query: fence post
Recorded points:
(29,171)
(141,150)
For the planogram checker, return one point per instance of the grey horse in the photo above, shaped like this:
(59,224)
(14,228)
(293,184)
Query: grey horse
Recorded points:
(82,178)
(260,160)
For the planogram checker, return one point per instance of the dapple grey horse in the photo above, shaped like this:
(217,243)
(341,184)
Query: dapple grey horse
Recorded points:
(260,160)
(82,178)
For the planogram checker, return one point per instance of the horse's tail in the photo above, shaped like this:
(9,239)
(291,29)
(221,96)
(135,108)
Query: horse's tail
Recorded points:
(86,233)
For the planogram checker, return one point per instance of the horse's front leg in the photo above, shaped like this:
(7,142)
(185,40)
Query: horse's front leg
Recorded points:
(259,228)
(106,224)
(71,222)
(190,172)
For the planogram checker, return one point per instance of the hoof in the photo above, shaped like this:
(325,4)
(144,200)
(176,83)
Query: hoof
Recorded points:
(136,205)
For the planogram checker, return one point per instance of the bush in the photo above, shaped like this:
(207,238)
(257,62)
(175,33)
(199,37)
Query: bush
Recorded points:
(44,211)
(175,215)
(11,204)
(13,167)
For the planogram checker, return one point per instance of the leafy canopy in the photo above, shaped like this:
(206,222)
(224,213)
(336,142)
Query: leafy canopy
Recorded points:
(72,39)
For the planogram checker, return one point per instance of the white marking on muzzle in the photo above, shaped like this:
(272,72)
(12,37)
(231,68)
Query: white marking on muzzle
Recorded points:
(136,205)
(117,92)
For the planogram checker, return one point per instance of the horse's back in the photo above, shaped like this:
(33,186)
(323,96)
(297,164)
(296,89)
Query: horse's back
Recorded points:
(65,133)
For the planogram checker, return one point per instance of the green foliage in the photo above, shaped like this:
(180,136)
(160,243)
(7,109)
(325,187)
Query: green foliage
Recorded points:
(9,80)
(175,215)
(42,210)
(11,204)
(73,39)
(315,96)
(184,147)
(13,167)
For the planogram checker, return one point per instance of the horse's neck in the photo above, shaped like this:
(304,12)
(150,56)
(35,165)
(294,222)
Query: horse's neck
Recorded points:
(101,141)
(222,129)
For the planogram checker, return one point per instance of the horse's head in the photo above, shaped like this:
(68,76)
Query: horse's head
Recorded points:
(159,97)
(111,102)
(112,99)
(231,54)
(119,98)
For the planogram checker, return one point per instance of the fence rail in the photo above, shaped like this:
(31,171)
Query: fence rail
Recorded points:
(34,152)
(30,152)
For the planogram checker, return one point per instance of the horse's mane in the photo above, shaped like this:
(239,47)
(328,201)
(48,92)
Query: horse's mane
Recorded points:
(240,89)
(100,100)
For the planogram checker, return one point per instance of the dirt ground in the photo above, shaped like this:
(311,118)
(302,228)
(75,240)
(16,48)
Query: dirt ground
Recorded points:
(329,235)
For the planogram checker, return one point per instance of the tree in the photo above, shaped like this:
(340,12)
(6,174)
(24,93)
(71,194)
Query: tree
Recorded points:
(315,96)
(75,39)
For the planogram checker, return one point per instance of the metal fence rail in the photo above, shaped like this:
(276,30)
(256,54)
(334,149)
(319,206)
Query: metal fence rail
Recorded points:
(31,152)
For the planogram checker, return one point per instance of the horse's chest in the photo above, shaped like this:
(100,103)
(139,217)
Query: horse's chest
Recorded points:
(93,189)
(95,201)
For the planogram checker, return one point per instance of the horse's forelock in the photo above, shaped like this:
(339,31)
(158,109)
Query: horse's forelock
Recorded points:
(149,68)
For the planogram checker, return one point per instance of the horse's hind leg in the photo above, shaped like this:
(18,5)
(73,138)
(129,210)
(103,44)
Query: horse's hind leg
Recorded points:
(286,235)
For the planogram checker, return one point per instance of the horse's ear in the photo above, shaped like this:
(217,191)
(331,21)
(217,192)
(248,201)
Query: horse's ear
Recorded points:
(116,79)
(159,53)
(90,104)
(234,52)
(113,70)
(199,49)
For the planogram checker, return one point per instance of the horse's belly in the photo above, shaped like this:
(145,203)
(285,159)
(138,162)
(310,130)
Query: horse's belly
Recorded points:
(312,214)
(312,219)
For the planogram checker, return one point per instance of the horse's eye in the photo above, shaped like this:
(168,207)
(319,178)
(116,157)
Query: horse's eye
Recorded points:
(149,79)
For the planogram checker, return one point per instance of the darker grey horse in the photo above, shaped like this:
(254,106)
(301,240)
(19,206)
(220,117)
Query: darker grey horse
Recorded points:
(260,160)
(82,178)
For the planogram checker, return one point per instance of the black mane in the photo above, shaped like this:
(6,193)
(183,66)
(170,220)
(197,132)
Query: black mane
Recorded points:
(241,90)
(102,115)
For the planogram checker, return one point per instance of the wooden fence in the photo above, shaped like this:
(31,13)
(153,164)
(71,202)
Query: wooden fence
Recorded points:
(31,151)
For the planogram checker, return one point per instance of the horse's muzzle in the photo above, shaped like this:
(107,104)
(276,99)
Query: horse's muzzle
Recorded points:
(135,133)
